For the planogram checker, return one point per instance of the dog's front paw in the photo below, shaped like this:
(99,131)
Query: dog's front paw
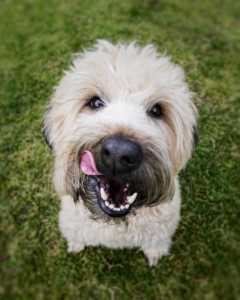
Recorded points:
(153,255)
(74,247)
(153,260)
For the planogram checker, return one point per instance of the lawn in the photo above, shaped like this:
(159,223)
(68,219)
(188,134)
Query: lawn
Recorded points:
(37,40)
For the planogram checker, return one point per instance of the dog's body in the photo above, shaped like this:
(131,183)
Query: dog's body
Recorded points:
(121,125)
(151,229)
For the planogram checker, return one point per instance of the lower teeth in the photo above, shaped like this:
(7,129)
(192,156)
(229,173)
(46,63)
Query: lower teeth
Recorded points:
(111,206)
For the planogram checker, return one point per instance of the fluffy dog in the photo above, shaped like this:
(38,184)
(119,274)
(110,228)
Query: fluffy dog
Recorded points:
(121,125)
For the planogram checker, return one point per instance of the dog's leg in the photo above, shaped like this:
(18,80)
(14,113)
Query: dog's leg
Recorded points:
(158,235)
(75,247)
(69,223)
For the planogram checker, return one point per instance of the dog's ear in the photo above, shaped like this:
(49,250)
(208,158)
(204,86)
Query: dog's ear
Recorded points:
(195,137)
(45,128)
(46,138)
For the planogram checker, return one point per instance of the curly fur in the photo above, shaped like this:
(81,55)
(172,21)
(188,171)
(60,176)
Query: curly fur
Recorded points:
(130,79)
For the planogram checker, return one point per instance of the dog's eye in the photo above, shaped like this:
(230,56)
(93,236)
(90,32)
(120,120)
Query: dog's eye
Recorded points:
(156,111)
(95,103)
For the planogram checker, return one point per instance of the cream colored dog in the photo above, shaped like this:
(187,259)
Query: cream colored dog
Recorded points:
(121,125)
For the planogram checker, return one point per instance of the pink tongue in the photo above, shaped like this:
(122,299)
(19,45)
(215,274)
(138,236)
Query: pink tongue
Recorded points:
(87,164)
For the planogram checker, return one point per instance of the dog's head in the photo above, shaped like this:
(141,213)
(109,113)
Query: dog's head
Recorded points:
(121,125)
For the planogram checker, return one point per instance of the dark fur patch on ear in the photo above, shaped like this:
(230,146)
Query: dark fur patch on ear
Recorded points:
(45,136)
(195,137)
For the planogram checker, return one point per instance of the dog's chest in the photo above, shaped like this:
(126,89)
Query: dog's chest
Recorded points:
(77,225)
(110,235)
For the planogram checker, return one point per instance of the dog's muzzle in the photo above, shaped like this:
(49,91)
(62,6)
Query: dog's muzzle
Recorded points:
(118,158)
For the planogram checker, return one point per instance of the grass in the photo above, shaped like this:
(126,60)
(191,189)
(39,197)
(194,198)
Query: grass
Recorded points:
(37,41)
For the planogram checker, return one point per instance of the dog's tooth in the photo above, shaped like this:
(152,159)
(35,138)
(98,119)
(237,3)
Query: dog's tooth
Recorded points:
(107,203)
(104,195)
(131,199)
(126,206)
(111,206)
(122,207)
(116,208)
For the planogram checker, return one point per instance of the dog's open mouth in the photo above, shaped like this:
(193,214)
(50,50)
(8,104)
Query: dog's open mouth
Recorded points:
(114,196)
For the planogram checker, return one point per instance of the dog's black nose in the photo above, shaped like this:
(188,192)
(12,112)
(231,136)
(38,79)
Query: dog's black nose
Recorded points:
(120,155)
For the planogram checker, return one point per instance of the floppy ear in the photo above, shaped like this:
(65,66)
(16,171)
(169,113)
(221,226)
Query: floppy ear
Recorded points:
(45,136)
(45,129)
(195,137)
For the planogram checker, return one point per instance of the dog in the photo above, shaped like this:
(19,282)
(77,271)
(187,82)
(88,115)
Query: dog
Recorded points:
(121,125)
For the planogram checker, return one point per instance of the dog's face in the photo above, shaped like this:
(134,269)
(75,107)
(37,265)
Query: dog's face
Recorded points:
(126,113)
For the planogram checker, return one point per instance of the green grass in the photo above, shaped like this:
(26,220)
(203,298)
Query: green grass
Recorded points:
(37,39)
